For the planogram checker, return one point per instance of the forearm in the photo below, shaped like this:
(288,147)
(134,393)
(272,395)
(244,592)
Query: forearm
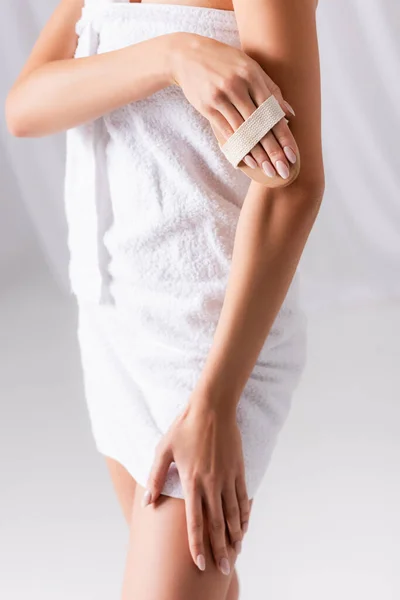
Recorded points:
(68,92)
(270,238)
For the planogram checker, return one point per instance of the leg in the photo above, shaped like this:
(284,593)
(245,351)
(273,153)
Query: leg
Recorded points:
(233,591)
(159,564)
(124,486)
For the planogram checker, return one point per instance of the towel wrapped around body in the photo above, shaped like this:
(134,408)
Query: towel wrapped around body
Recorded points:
(152,206)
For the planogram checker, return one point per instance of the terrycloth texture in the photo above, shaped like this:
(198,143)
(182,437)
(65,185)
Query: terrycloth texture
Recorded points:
(152,205)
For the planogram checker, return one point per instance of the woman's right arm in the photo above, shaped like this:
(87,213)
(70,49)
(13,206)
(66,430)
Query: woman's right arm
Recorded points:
(56,91)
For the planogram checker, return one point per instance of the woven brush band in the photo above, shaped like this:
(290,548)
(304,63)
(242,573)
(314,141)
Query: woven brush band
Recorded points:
(252,130)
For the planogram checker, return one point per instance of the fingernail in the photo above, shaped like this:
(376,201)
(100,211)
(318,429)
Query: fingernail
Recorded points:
(224,566)
(250,162)
(268,169)
(201,562)
(290,154)
(282,169)
(290,109)
(146,498)
(245,526)
(238,546)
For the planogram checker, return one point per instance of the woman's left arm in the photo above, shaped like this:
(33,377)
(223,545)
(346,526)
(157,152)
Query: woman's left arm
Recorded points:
(274,224)
(273,227)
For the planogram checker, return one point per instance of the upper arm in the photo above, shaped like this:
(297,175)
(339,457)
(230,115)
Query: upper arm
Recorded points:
(282,37)
(57,39)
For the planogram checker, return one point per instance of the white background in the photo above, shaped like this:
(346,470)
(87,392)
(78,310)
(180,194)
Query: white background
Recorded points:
(326,523)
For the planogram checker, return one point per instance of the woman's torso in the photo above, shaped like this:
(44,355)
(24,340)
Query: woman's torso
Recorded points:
(165,229)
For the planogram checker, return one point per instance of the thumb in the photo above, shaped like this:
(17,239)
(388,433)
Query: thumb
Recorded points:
(158,474)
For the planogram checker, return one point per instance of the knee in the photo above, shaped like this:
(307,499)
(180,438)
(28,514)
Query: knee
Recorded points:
(233,591)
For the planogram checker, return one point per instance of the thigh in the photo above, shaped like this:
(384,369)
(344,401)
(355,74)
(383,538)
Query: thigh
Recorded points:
(124,485)
(159,564)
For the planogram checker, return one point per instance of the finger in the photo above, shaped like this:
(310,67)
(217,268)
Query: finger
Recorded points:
(286,107)
(195,524)
(286,140)
(158,474)
(246,106)
(226,131)
(234,111)
(289,107)
(243,501)
(276,91)
(279,133)
(216,529)
(276,154)
(232,516)
(240,108)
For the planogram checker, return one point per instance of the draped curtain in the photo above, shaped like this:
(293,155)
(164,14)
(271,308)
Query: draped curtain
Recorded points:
(353,253)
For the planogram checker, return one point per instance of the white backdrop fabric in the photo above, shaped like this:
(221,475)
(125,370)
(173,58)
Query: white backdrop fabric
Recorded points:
(353,253)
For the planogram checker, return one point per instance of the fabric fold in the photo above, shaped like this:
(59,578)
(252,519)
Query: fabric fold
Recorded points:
(88,201)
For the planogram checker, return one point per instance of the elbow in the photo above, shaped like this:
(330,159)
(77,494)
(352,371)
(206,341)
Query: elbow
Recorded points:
(308,188)
(312,192)
(16,116)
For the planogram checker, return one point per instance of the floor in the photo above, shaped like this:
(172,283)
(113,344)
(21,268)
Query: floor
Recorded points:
(325,524)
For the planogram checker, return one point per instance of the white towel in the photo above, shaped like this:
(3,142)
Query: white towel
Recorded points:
(152,206)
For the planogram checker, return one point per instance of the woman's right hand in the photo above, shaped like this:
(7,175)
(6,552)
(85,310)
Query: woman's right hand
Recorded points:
(205,443)
(226,86)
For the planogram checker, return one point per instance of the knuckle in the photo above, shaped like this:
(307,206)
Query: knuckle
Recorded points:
(244,503)
(275,89)
(244,508)
(206,108)
(232,511)
(241,487)
(241,491)
(212,480)
(243,500)
(195,526)
(226,130)
(245,71)
(216,94)
(245,514)
(236,535)
(230,83)
(196,523)
(285,140)
(258,152)
(276,154)
(217,525)
(191,481)
(220,551)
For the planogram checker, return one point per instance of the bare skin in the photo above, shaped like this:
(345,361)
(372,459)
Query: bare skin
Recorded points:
(279,55)
(272,230)
(126,489)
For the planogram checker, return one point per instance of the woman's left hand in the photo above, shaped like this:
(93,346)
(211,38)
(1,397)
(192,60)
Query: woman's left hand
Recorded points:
(206,445)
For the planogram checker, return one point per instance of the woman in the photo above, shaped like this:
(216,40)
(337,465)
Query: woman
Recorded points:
(184,268)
